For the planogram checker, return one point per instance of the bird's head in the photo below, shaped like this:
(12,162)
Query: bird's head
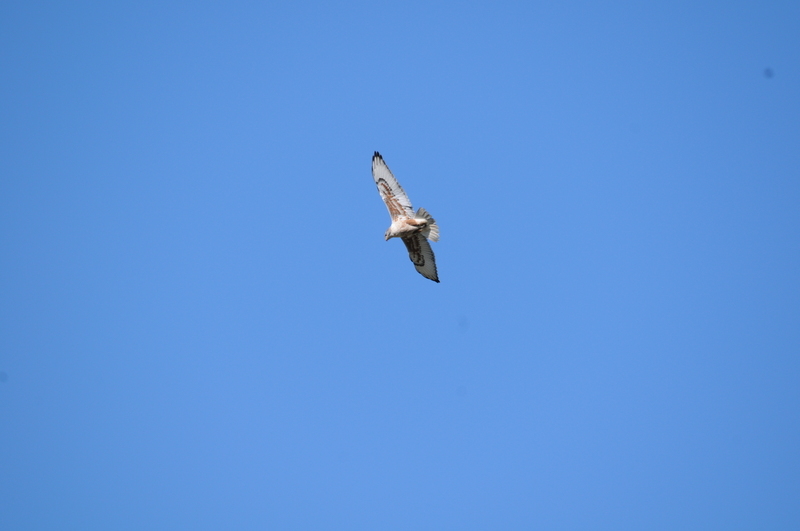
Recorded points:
(388,234)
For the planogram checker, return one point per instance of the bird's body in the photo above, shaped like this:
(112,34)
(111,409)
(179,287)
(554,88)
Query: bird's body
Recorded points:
(404,227)
(414,228)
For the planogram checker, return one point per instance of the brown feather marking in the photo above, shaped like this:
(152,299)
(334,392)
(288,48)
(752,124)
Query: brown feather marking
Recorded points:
(414,251)
(395,208)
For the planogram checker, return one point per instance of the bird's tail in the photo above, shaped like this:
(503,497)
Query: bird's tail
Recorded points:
(432,230)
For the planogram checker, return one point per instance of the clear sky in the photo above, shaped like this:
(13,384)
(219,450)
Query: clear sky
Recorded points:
(202,327)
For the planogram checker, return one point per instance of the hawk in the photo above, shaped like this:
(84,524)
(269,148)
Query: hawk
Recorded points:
(413,228)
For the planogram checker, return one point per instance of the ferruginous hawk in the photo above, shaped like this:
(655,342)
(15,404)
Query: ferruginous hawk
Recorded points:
(413,228)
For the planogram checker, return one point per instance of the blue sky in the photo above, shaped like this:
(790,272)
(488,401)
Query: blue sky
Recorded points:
(202,327)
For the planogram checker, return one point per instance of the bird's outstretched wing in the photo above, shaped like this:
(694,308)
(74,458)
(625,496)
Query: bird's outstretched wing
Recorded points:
(392,193)
(420,252)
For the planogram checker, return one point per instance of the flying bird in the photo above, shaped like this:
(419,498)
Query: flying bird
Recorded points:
(413,228)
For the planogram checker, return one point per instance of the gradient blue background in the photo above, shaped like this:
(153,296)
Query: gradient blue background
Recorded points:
(203,328)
